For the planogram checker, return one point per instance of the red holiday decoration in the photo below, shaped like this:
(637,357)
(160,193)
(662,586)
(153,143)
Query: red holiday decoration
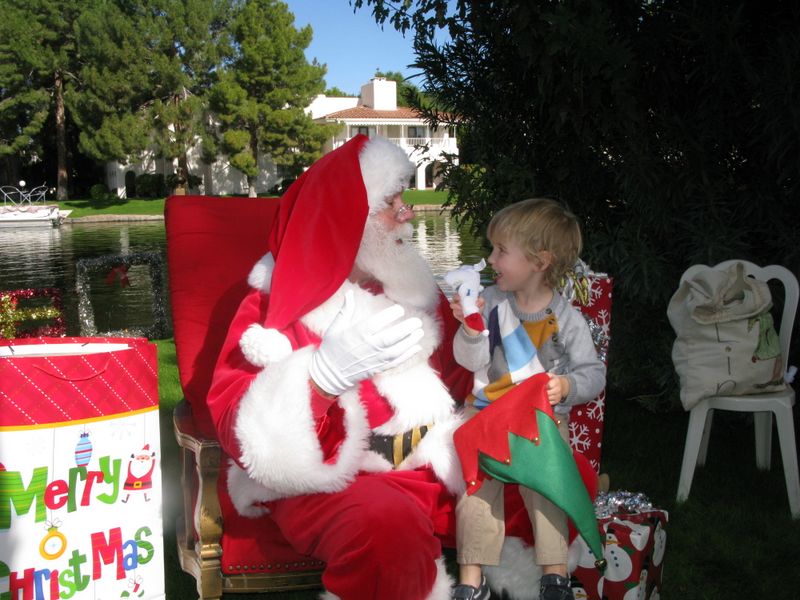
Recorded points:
(13,313)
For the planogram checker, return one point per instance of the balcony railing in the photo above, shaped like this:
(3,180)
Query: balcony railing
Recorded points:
(434,144)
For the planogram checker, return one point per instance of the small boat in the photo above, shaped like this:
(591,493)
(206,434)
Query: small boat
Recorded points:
(33,215)
(22,208)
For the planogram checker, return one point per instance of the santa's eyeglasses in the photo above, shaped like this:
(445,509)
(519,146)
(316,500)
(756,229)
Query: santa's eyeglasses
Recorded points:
(398,214)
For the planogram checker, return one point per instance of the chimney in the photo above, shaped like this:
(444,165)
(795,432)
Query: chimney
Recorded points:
(380,93)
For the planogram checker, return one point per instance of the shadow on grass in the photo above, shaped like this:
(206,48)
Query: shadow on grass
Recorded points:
(733,538)
(105,203)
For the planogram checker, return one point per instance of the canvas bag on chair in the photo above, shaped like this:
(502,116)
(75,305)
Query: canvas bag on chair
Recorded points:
(726,341)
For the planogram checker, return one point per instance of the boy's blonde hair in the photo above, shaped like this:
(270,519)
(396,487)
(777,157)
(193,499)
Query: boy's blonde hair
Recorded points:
(540,225)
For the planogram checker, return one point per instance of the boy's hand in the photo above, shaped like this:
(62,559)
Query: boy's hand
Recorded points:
(557,388)
(458,313)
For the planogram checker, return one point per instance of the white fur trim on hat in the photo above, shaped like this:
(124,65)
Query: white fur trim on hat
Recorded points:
(260,276)
(385,169)
(262,346)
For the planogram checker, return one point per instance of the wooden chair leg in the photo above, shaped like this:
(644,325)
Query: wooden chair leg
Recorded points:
(200,528)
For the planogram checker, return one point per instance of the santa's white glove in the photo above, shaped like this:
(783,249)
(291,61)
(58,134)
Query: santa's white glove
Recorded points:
(352,351)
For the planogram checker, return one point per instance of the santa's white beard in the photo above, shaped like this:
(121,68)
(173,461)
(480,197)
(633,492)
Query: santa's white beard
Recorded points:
(139,468)
(388,256)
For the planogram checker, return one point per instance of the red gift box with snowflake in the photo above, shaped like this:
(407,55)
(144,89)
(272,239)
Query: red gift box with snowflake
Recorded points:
(634,547)
(80,471)
(590,293)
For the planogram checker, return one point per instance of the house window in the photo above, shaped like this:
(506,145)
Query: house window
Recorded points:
(361,130)
(416,132)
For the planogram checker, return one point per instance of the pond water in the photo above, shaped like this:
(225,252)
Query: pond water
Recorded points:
(47,258)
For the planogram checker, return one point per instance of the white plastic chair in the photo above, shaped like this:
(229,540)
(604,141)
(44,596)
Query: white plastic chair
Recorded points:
(763,406)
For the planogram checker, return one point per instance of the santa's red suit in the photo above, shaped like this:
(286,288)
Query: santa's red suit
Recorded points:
(320,467)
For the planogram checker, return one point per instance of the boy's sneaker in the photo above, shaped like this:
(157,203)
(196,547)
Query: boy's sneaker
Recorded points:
(467,592)
(555,587)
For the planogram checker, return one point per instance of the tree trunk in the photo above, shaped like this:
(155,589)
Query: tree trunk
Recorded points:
(251,179)
(182,184)
(62,180)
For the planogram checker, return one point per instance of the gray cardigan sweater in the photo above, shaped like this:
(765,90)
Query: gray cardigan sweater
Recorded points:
(570,353)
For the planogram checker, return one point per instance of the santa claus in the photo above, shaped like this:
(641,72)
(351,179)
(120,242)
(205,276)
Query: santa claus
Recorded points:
(140,472)
(334,391)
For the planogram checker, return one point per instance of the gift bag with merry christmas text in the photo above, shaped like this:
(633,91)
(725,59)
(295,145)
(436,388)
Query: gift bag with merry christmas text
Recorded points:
(80,469)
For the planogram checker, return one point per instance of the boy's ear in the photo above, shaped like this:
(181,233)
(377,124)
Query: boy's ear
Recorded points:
(544,259)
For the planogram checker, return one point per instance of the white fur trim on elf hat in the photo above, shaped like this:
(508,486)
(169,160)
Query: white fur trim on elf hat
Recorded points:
(385,169)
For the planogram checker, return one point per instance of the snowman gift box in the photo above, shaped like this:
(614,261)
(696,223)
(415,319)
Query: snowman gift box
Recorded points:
(80,469)
(634,546)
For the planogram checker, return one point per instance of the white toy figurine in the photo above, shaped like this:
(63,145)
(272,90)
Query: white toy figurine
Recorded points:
(466,281)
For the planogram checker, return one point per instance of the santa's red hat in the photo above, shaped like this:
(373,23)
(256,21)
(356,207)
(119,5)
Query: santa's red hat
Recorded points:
(316,236)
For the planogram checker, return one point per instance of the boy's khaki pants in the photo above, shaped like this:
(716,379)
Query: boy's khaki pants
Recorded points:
(480,523)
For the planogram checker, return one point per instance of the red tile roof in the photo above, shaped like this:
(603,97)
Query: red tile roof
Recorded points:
(364,112)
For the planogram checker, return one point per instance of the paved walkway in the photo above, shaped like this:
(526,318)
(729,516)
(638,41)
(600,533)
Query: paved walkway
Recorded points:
(112,218)
(419,208)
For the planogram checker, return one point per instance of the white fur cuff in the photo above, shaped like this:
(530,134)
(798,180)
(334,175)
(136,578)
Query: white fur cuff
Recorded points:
(277,433)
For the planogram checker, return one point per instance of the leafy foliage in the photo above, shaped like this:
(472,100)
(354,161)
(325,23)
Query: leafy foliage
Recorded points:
(335,92)
(263,90)
(23,107)
(123,78)
(671,127)
(405,90)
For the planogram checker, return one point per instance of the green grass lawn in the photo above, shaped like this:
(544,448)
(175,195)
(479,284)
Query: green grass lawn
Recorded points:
(155,206)
(120,206)
(732,539)
(414,197)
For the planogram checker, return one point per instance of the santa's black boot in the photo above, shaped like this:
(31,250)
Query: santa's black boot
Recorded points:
(555,587)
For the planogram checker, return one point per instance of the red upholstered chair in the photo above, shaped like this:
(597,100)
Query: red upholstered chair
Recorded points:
(212,243)
(586,421)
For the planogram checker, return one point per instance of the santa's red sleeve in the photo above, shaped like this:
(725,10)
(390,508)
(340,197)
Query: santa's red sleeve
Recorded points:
(456,378)
(282,434)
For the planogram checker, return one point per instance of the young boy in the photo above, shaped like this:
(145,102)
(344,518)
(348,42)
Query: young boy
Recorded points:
(535,242)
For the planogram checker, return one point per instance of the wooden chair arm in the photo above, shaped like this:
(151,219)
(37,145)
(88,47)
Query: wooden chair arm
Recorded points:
(201,457)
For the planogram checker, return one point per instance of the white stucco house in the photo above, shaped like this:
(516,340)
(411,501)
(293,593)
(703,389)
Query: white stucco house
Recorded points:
(375,112)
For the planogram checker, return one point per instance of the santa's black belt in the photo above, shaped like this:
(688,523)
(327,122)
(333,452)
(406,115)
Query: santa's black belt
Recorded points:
(395,448)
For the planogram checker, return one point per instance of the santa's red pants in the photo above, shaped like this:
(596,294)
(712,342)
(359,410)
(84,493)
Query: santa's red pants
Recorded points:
(378,536)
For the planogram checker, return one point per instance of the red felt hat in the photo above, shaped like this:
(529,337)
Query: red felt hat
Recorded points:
(321,219)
